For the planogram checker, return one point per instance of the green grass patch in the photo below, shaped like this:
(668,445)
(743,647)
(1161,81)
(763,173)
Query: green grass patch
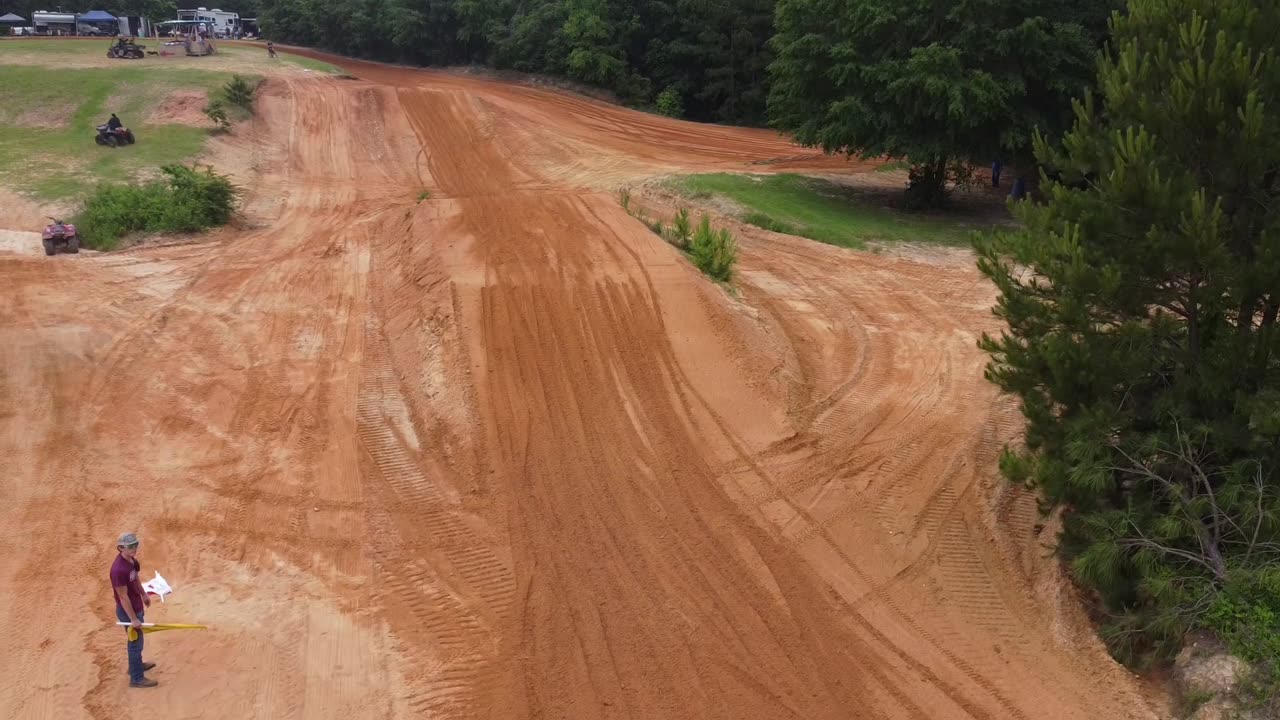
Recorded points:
(308,63)
(767,222)
(824,211)
(48,118)
(46,46)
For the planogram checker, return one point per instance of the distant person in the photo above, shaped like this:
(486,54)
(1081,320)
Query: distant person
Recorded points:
(271,49)
(114,123)
(131,602)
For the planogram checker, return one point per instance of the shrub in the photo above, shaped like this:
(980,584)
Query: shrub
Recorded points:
(239,92)
(424,195)
(1246,615)
(183,200)
(714,252)
(681,229)
(624,197)
(761,220)
(670,104)
(217,112)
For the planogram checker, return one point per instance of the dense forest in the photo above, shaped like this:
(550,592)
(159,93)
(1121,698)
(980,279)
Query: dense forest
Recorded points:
(710,57)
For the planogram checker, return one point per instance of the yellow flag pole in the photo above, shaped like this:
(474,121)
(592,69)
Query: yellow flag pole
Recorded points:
(157,627)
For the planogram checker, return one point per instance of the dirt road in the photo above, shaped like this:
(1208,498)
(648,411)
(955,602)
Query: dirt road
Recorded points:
(504,454)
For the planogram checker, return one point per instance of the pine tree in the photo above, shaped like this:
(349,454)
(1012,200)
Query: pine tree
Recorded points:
(939,84)
(1141,300)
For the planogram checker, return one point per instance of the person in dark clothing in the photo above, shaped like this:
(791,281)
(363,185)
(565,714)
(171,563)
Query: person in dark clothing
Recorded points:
(131,603)
(114,123)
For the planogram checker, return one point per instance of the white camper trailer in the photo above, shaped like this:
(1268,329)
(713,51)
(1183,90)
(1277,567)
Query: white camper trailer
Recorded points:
(224,24)
(53,23)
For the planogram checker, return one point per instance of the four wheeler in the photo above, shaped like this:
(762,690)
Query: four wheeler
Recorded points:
(126,49)
(114,138)
(60,235)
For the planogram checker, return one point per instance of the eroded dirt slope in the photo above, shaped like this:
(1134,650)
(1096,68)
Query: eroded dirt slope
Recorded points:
(504,454)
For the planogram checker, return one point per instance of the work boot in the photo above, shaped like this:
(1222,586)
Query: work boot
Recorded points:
(143,683)
(145,667)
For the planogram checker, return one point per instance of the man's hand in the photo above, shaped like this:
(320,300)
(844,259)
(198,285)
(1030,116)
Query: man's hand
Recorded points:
(146,600)
(135,623)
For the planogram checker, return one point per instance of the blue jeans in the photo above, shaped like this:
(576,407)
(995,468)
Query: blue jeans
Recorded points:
(135,647)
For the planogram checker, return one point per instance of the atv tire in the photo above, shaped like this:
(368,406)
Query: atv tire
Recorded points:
(73,245)
(99,139)
(128,138)
(49,249)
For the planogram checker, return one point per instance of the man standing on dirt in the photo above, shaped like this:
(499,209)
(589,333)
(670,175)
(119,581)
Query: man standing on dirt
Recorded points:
(131,600)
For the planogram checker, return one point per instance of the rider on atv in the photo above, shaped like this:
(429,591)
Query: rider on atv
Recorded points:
(114,133)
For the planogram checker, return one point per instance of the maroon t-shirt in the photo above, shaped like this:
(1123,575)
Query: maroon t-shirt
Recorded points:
(124,572)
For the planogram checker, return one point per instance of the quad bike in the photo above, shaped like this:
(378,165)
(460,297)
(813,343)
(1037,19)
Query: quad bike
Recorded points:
(114,138)
(60,235)
(126,49)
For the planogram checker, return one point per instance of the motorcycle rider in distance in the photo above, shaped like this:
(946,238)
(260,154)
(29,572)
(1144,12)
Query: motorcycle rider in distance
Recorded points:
(114,123)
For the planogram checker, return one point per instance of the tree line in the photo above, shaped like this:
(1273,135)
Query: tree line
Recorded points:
(710,57)
(942,85)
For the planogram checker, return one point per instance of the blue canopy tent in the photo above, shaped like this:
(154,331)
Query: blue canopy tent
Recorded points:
(97,22)
(96,16)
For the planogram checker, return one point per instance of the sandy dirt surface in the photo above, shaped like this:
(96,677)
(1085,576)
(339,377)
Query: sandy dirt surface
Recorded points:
(504,454)
(181,107)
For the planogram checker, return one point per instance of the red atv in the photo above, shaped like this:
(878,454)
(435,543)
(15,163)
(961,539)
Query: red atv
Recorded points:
(114,138)
(60,235)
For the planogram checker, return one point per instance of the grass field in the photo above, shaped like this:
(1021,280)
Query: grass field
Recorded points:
(823,211)
(57,51)
(56,91)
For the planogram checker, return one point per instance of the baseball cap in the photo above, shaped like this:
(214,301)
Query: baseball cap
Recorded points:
(127,539)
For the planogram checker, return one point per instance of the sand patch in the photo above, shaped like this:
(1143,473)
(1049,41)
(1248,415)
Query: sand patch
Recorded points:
(24,214)
(181,107)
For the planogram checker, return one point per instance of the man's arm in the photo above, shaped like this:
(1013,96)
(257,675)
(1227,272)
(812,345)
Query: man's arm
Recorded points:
(123,592)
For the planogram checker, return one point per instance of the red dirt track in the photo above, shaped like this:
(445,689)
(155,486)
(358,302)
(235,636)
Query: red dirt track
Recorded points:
(505,454)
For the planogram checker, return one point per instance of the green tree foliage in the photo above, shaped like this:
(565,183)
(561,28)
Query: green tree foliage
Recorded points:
(712,55)
(713,251)
(670,104)
(936,83)
(182,200)
(152,9)
(1141,300)
(217,112)
(239,92)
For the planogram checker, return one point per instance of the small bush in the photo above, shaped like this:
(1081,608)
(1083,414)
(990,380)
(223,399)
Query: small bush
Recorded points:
(624,197)
(761,220)
(1246,615)
(670,103)
(714,252)
(184,200)
(681,229)
(424,195)
(239,92)
(217,112)
(658,229)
